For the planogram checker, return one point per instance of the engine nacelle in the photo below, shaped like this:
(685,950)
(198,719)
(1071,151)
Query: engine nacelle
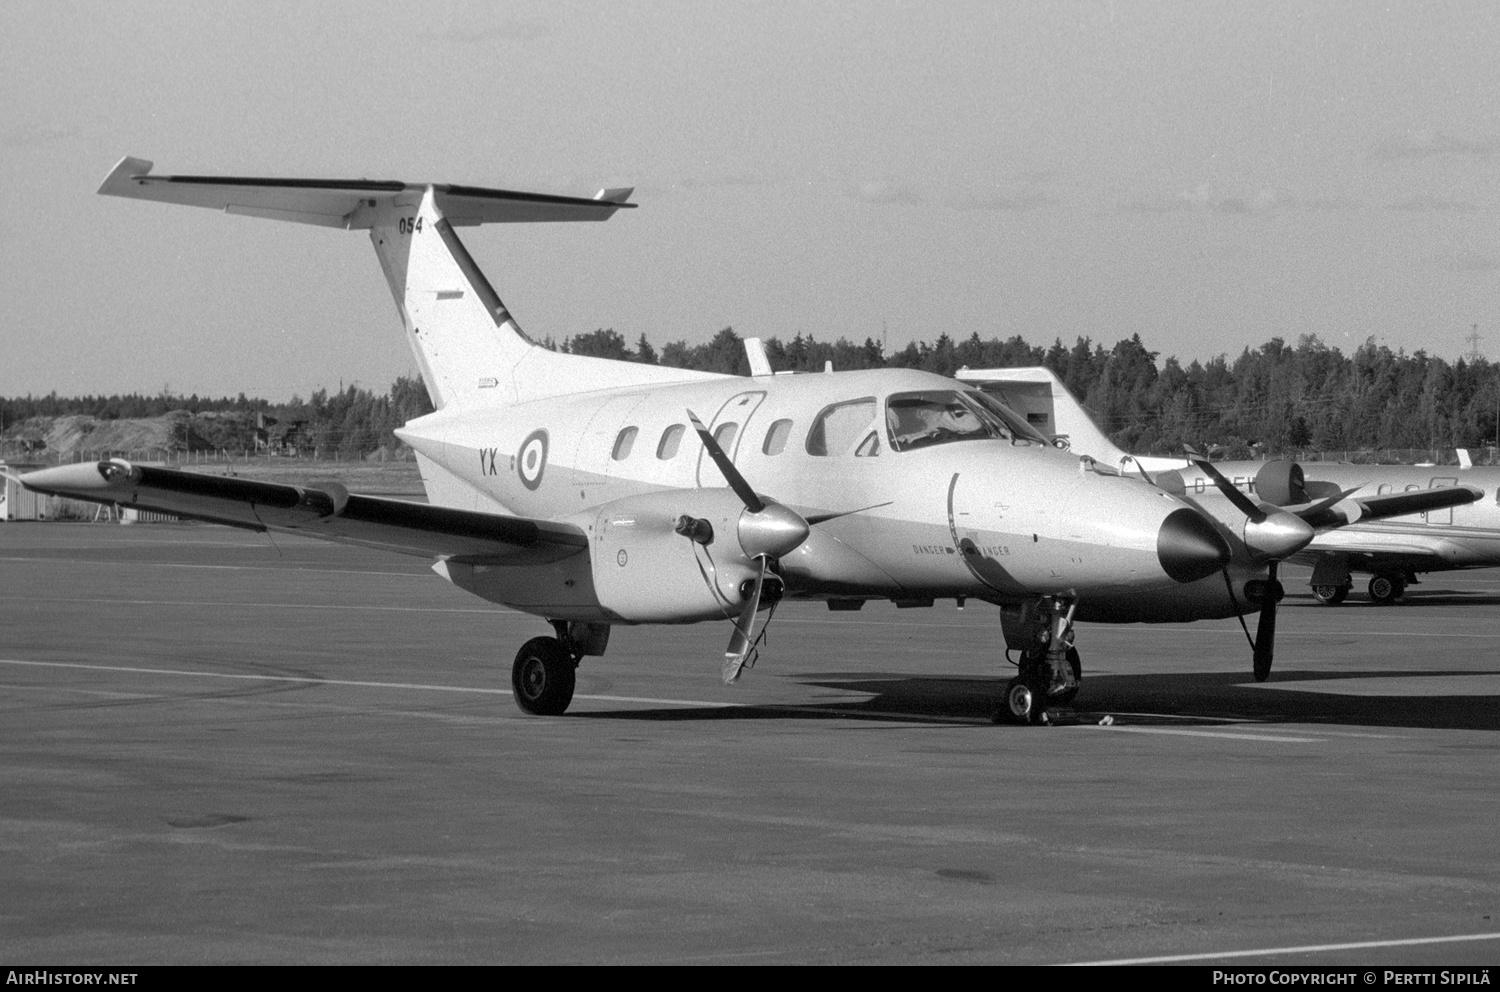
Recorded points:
(1281,484)
(647,571)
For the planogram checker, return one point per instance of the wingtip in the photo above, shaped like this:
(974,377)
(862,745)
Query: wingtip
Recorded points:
(118,180)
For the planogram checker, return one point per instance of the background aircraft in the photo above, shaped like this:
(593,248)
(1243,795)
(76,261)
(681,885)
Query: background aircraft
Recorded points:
(585,490)
(1393,550)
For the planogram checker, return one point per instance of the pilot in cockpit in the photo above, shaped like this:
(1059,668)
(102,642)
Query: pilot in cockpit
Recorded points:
(915,423)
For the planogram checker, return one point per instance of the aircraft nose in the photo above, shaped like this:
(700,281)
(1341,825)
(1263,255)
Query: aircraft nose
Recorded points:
(1188,547)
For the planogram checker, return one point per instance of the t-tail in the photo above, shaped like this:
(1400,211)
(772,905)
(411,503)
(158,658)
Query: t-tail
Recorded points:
(469,349)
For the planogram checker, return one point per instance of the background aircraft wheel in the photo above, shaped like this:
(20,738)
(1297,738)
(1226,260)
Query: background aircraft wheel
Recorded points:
(1386,589)
(1068,695)
(543,677)
(1331,595)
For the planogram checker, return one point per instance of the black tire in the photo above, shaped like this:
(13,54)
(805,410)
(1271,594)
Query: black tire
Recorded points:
(1330,595)
(1385,589)
(543,677)
(1020,704)
(1068,695)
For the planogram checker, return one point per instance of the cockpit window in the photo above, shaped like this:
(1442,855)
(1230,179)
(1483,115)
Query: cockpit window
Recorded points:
(939,416)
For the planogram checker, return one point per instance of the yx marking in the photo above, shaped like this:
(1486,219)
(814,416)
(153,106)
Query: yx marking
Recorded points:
(487,461)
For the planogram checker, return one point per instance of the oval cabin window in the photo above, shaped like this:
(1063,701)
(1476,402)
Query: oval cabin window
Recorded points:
(624,443)
(776,437)
(671,440)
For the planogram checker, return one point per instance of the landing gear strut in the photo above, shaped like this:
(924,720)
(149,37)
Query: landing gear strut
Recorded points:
(1050,670)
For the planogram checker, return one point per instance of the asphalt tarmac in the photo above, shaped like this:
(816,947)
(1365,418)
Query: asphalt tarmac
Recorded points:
(218,747)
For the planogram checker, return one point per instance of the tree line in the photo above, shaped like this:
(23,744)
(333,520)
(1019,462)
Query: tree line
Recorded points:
(1275,399)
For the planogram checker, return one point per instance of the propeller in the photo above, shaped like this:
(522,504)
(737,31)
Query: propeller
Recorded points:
(1271,534)
(1265,630)
(766,531)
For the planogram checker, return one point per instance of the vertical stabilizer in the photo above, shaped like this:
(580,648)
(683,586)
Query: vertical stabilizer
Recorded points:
(464,340)
(468,349)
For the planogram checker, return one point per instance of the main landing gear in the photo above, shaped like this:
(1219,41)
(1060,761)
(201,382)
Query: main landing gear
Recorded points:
(1386,587)
(1330,595)
(546,668)
(1050,670)
(544,676)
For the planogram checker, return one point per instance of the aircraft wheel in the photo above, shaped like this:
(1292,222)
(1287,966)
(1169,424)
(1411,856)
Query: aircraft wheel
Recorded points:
(1386,589)
(1019,702)
(1330,595)
(1023,702)
(543,676)
(1068,695)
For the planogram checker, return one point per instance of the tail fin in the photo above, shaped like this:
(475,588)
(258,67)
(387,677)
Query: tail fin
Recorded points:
(1041,396)
(468,348)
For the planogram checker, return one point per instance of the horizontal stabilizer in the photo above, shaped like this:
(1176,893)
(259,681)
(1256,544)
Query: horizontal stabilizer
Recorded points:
(352,203)
(329,512)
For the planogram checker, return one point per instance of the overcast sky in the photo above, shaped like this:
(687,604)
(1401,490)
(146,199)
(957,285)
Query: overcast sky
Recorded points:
(1206,175)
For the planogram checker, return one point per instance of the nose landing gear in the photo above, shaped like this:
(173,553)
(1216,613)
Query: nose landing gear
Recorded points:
(1050,671)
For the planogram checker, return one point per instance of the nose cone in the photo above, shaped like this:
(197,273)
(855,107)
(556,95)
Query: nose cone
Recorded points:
(1188,547)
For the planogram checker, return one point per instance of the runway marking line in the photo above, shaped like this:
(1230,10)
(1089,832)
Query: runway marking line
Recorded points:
(308,680)
(268,567)
(220,604)
(1305,949)
(1173,731)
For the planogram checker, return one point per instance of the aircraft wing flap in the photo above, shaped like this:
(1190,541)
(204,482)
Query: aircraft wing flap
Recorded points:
(327,511)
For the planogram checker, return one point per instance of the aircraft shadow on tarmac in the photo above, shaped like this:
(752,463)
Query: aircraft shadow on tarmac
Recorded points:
(1178,700)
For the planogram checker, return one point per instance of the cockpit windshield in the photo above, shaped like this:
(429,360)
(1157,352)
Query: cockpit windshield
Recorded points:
(939,416)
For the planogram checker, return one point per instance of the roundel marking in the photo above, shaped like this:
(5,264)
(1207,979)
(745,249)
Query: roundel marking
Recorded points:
(531,459)
(622,558)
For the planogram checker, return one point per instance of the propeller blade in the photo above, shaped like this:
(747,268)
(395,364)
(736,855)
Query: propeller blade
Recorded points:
(822,518)
(740,641)
(1318,513)
(1241,502)
(736,481)
(1265,631)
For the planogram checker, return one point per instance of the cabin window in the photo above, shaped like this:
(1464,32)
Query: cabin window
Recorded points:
(776,437)
(724,434)
(840,427)
(671,440)
(623,443)
(869,447)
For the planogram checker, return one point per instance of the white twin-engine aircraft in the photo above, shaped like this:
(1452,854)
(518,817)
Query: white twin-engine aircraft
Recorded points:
(590,493)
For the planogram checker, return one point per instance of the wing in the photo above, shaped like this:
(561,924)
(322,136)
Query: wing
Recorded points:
(1369,556)
(329,512)
(1322,515)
